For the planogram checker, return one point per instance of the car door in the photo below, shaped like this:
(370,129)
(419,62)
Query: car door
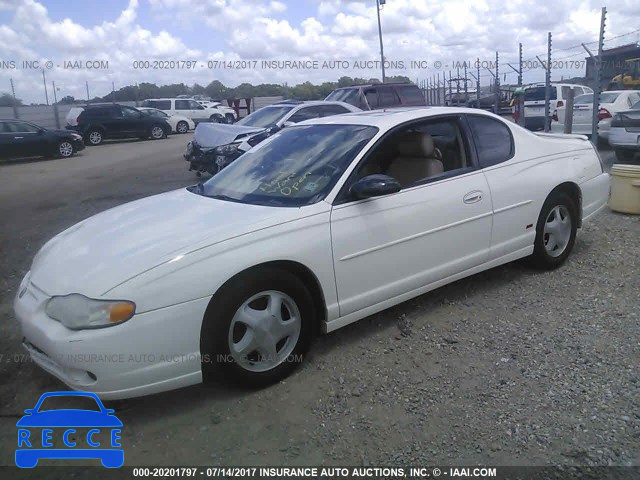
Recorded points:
(433,229)
(133,122)
(26,139)
(512,194)
(7,143)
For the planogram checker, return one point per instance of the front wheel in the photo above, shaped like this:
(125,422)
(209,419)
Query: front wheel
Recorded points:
(157,132)
(65,149)
(257,328)
(555,232)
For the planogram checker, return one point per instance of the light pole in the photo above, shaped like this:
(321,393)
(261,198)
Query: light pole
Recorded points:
(378,3)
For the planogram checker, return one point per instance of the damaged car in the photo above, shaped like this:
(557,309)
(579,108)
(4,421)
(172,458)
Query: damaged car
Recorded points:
(215,145)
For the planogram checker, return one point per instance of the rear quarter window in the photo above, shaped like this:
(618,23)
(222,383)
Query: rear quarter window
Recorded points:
(159,104)
(492,138)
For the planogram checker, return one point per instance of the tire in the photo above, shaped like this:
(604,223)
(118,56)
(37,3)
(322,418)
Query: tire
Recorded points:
(156,132)
(217,118)
(229,118)
(554,242)
(265,359)
(65,149)
(182,127)
(94,137)
(623,155)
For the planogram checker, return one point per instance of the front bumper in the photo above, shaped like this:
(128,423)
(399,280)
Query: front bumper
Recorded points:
(152,352)
(208,160)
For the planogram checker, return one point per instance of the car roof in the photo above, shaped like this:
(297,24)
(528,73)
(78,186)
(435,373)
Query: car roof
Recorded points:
(309,103)
(394,84)
(386,118)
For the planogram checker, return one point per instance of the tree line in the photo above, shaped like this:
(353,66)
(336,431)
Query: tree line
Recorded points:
(217,91)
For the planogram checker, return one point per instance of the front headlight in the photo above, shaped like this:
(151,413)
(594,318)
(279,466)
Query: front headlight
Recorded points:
(77,312)
(227,149)
(189,148)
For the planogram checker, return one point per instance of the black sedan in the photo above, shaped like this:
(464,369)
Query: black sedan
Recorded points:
(23,139)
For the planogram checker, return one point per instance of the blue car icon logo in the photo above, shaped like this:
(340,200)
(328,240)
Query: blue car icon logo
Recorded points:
(41,427)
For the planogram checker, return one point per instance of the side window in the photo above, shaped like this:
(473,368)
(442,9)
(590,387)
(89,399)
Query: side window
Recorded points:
(493,140)
(419,152)
(388,97)
(183,105)
(193,105)
(371,94)
(328,110)
(20,127)
(306,114)
(130,112)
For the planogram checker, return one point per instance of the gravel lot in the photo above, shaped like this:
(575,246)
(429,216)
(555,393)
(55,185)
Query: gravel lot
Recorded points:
(509,367)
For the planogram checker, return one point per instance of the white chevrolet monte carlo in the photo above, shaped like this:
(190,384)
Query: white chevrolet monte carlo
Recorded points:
(318,226)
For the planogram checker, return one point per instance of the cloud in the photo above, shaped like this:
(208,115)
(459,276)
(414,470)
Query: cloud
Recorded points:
(443,30)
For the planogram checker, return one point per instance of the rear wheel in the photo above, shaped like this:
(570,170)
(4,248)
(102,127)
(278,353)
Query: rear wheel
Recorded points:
(65,149)
(94,137)
(229,118)
(257,328)
(182,127)
(555,232)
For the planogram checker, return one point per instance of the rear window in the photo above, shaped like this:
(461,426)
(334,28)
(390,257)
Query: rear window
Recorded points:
(97,112)
(159,104)
(535,94)
(411,95)
(608,97)
(586,98)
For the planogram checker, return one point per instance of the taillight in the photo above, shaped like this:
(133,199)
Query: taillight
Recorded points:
(560,103)
(554,117)
(603,113)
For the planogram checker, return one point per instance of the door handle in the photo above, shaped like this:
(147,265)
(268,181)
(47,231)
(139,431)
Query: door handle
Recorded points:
(472,197)
(17,138)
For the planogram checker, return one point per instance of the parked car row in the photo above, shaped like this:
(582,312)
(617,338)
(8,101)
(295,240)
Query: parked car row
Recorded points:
(25,139)
(202,111)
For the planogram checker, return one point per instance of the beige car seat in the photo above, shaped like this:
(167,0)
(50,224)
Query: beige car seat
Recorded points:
(417,159)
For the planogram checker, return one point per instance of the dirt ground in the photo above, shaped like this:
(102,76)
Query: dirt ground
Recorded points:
(509,367)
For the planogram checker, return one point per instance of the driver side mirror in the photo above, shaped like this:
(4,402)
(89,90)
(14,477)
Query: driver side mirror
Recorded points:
(374,186)
(288,124)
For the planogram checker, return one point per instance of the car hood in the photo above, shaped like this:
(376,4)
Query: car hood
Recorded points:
(216,134)
(114,246)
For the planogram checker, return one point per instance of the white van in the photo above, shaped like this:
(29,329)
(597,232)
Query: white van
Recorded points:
(187,107)
(534,97)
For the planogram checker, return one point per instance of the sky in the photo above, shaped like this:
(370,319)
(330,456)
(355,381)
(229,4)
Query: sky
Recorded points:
(120,42)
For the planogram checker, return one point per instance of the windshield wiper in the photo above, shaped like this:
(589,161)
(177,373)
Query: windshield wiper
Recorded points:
(224,197)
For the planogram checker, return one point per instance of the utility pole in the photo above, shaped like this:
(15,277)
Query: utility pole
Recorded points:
(55,104)
(497,110)
(87,84)
(597,88)
(547,90)
(44,81)
(15,102)
(378,4)
(113,92)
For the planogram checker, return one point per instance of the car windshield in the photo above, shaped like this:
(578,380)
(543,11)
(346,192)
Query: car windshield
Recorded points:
(347,95)
(296,167)
(265,117)
(67,402)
